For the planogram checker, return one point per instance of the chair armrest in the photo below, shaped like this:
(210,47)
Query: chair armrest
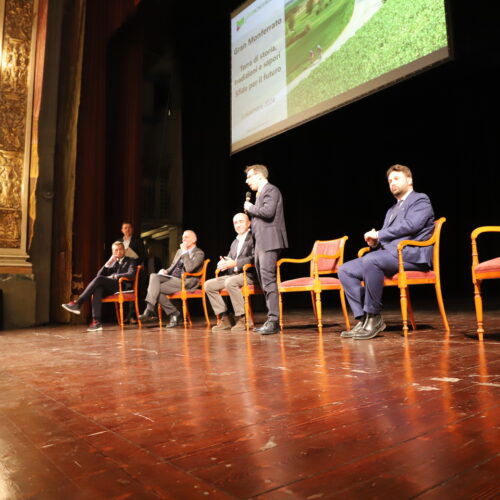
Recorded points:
(193,274)
(322,256)
(292,261)
(401,267)
(363,250)
(474,235)
(414,243)
(124,278)
(484,229)
(246,267)
(295,261)
(120,282)
(201,273)
(183,279)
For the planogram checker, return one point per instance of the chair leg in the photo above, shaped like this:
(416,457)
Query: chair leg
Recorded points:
(246,305)
(250,315)
(280,303)
(318,311)
(121,315)
(410,310)
(478,302)
(190,323)
(159,315)
(344,309)
(117,311)
(439,296)
(137,314)
(404,310)
(207,318)
(185,314)
(313,300)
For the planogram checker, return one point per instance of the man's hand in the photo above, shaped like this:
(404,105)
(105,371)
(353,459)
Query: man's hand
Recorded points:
(247,205)
(225,263)
(111,261)
(371,238)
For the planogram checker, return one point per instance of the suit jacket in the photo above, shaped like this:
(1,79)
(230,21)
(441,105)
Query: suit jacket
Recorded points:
(268,220)
(414,220)
(245,257)
(137,246)
(124,269)
(193,262)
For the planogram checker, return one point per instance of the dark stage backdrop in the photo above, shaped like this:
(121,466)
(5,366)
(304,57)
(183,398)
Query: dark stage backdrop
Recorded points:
(442,123)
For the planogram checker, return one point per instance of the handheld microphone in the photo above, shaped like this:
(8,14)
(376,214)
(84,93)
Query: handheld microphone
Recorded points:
(248,196)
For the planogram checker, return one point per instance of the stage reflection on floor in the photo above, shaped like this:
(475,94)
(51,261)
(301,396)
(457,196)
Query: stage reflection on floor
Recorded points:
(157,413)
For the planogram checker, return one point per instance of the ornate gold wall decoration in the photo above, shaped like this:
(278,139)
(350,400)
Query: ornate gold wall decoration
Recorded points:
(10,234)
(17,37)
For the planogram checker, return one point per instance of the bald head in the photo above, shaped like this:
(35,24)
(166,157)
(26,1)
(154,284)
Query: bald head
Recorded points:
(241,223)
(189,239)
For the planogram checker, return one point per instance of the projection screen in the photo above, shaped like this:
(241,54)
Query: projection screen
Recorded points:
(293,60)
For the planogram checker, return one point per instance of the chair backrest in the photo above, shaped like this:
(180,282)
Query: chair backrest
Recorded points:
(438,224)
(328,247)
(136,280)
(203,276)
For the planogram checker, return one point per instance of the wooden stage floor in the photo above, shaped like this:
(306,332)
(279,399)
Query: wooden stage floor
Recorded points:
(186,414)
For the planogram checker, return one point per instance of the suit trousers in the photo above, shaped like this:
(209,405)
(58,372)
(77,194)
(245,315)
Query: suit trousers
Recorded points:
(159,287)
(265,263)
(371,269)
(99,287)
(232,283)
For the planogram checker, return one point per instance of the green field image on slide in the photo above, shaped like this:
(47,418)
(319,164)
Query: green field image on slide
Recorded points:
(310,23)
(400,32)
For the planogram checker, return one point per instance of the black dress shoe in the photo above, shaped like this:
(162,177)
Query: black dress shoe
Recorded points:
(175,319)
(357,328)
(258,329)
(146,315)
(374,324)
(269,327)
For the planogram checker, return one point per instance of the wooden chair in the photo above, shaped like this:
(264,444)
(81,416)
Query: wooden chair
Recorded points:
(405,278)
(122,296)
(247,290)
(326,258)
(487,270)
(184,295)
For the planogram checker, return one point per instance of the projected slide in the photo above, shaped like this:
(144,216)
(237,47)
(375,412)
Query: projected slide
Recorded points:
(293,60)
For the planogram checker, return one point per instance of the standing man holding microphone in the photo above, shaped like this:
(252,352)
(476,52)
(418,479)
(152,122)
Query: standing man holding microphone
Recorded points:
(269,232)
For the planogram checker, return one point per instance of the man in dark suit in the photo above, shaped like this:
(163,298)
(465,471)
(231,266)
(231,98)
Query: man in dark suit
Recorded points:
(105,283)
(411,218)
(240,254)
(134,247)
(189,258)
(269,231)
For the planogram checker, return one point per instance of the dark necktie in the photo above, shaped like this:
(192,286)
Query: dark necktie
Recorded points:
(396,210)
(178,268)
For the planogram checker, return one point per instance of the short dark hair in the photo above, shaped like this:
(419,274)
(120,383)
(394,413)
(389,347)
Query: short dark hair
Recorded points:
(127,222)
(400,168)
(260,169)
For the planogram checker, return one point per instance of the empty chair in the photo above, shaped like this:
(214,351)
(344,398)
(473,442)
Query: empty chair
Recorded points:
(326,258)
